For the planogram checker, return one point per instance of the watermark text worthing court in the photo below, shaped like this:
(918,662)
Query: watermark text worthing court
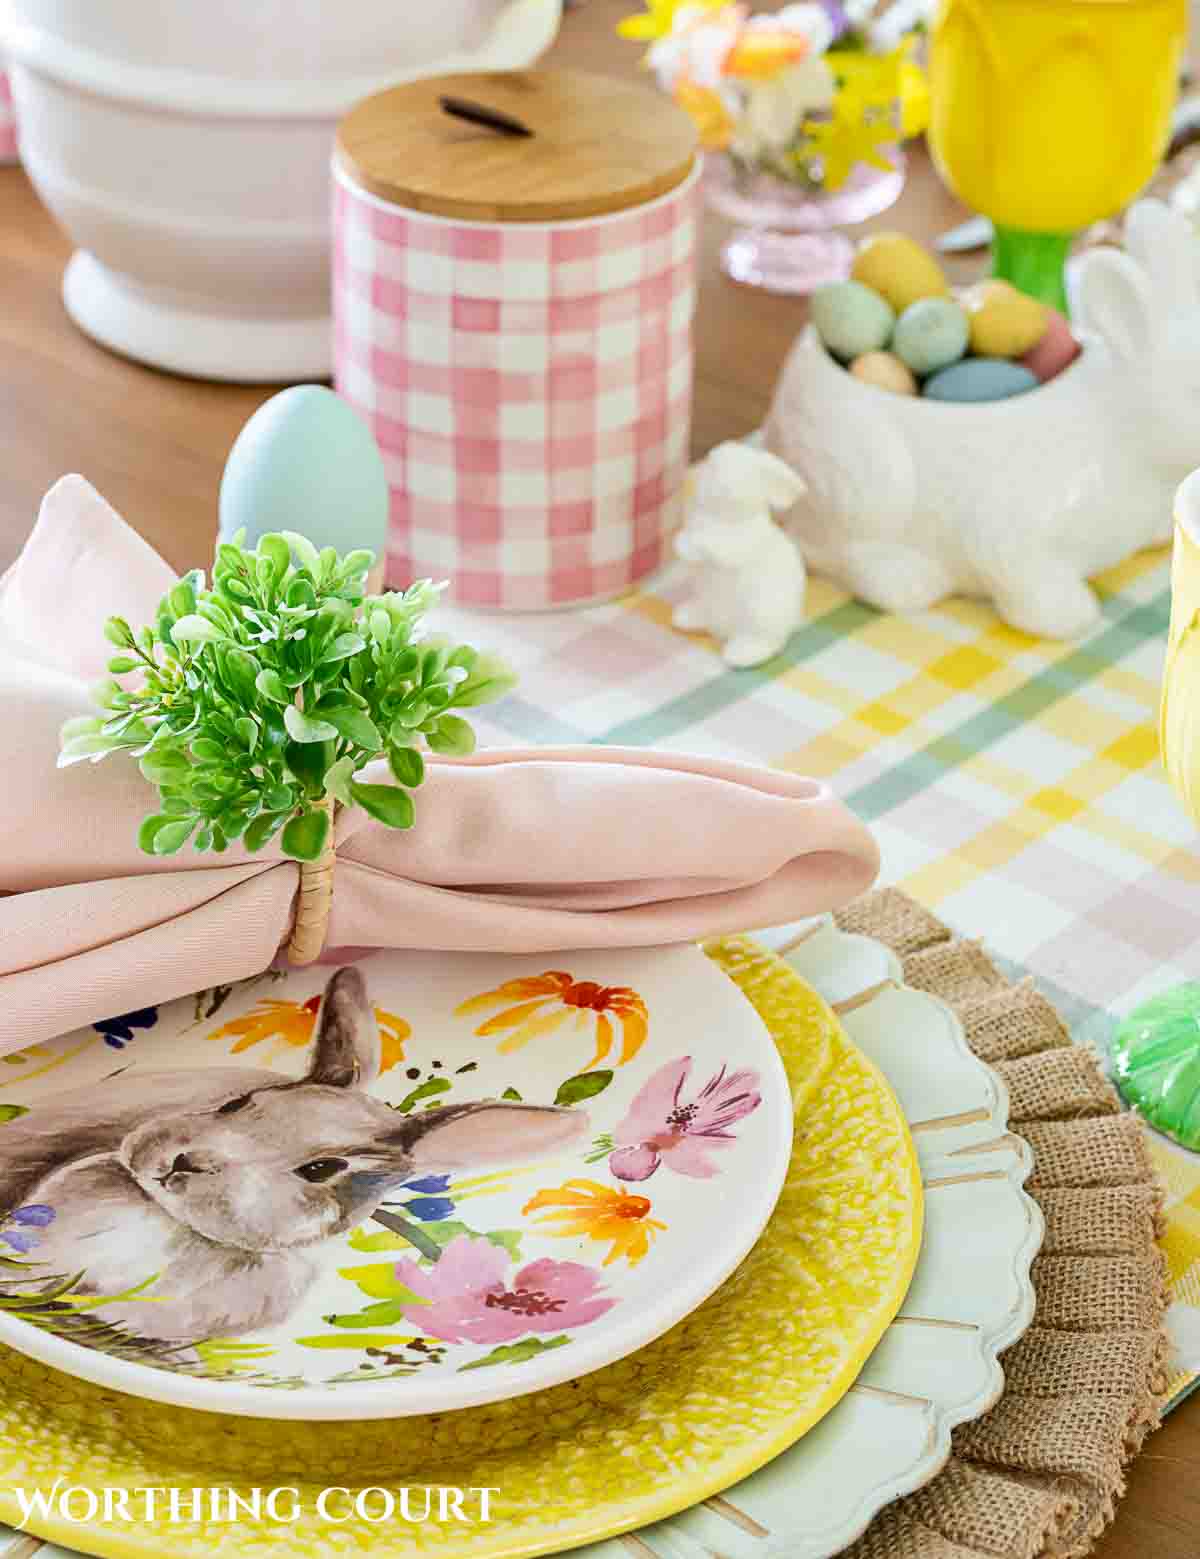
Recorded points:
(416,1504)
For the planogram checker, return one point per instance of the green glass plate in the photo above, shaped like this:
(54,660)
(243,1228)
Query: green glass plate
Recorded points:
(1156,1063)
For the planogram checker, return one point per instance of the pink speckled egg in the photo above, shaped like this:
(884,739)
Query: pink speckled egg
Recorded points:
(1055,351)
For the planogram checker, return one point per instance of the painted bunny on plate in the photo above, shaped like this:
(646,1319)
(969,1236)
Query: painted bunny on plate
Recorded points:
(225,1183)
(1021,500)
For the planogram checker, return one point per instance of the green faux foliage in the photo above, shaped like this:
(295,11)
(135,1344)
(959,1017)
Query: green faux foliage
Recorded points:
(253,706)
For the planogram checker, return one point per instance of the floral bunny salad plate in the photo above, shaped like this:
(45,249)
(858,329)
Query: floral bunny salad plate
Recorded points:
(411,1183)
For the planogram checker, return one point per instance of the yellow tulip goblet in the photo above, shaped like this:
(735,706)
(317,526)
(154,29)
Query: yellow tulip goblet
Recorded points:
(1047,115)
(1156,1050)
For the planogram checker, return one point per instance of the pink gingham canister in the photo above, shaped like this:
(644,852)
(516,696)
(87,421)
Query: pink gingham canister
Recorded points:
(513,304)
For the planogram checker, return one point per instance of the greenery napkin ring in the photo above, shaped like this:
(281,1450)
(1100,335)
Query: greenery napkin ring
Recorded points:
(261,699)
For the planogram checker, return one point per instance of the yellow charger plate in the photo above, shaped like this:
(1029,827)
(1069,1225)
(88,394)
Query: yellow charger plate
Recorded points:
(730,1387)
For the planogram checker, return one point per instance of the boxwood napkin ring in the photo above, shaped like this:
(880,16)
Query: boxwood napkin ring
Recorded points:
(314,900)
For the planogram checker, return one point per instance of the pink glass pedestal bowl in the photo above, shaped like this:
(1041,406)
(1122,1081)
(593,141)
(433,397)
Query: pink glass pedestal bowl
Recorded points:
(787,237)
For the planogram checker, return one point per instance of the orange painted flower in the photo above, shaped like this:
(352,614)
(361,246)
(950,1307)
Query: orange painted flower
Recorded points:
(292,1023)
(600,1212)
(544,1002)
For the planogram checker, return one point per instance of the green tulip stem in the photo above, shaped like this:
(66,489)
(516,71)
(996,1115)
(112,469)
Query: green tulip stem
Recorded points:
(1033,263)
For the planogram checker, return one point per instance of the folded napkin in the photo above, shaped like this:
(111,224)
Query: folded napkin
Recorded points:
(523,851)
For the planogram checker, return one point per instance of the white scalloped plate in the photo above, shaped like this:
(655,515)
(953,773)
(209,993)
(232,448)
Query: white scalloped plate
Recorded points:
(971,1296)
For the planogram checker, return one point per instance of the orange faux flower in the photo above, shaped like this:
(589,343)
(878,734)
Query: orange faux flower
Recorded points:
(601,1213)
(761,54)
(707,111)
(292,1022)
(544,1002)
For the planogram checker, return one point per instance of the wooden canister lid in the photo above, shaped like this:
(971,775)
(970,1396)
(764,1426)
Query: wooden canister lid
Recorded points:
(598,145)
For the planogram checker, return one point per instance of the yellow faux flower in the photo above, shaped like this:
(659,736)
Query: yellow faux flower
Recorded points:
(846,140)
(707,111)
(657,20)
(868,112)
(867,81)
(599,1212)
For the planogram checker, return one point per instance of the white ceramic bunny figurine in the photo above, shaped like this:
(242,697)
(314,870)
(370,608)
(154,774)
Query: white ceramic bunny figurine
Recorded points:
(749,576)
(1020,500)
(224,1182)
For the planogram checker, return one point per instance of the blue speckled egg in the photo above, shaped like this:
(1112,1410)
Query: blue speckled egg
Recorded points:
(931,333)
(851,319)
(980,379)
(307,462)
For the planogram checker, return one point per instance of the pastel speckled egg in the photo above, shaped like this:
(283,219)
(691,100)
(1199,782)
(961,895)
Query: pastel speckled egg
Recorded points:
(979,379)
(898,269)
(931,334)
(851,319)
(885,371)
(307,462)
(1004,322)
(1056,350)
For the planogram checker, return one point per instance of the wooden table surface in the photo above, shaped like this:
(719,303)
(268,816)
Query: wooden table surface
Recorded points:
(155,446)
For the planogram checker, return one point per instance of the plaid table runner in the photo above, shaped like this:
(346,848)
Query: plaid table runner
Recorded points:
(1013,783)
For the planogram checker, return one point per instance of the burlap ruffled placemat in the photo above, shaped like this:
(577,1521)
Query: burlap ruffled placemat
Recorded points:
(1041,1473)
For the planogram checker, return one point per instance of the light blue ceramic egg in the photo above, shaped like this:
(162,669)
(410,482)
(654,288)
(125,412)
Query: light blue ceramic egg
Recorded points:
(851,319)
(307,462)
(930,334)
(980,379)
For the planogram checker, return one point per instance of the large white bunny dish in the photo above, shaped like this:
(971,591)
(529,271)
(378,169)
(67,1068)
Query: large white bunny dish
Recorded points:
(749,579)
(1023,500)
(225,1183)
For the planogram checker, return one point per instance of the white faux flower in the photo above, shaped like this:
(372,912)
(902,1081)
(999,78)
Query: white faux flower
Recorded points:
(900,18)
(859,13)
(811,22)
(695,48)
(775,108)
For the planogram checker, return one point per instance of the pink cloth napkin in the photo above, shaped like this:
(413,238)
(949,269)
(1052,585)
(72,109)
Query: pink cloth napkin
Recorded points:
(513,851)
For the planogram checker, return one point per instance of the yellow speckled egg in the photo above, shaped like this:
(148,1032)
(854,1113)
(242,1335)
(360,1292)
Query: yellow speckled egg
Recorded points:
(885,371)
(897,267)
(1004,322)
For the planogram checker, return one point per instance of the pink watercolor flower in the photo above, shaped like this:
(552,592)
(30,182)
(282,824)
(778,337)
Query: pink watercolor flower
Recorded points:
(468,1297)
(664,1127)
